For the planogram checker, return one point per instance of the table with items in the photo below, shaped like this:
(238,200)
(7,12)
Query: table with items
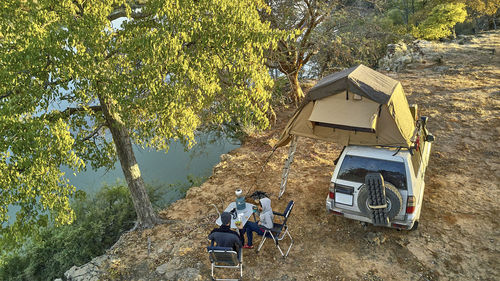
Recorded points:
(239,215)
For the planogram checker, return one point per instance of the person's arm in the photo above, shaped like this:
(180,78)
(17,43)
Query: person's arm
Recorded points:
(237,244)
(266,221)
(239,241)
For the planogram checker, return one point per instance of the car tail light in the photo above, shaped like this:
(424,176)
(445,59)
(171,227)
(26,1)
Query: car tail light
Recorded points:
(410,205)
(331,194)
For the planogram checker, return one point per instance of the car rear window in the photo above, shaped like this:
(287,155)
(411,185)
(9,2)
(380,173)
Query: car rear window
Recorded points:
(355,168)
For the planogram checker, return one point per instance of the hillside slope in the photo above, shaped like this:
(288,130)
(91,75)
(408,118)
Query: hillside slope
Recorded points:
(458,86)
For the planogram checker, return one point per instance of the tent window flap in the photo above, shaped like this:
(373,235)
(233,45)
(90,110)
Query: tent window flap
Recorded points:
(337,112)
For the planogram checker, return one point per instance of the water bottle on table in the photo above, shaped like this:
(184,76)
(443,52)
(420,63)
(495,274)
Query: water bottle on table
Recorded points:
(240,200)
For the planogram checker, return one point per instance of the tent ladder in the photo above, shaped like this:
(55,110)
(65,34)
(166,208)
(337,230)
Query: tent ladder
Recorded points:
(288,163)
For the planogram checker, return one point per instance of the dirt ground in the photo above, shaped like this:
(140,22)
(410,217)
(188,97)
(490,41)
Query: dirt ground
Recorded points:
(458,87)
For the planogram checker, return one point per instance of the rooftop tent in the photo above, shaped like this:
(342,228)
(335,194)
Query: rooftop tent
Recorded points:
(356,106)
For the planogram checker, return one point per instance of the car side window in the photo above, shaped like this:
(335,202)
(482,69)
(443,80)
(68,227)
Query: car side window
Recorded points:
(355,168)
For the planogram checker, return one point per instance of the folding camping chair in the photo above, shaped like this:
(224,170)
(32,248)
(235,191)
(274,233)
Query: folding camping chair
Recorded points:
(222,257)
(279,230)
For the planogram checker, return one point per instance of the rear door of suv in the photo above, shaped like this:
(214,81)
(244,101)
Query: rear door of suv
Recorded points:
(351,176)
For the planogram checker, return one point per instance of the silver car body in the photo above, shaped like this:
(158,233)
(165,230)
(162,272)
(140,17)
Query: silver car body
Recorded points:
(347,206)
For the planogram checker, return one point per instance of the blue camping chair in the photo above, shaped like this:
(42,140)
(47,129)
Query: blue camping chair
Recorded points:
(279,230)
(222,257)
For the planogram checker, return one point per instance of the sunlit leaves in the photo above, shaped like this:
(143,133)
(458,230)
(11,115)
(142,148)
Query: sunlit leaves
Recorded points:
(440,21)
(484,7)
(203,67)
(184,65)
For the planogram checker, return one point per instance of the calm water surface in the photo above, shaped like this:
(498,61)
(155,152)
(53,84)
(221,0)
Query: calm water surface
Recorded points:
(158,167)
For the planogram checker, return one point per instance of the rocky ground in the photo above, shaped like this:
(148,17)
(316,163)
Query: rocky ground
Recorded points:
(456,84)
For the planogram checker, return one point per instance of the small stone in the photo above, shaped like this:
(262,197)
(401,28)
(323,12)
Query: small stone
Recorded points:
(189,274)
(162,269)
(382,239)
(225,157)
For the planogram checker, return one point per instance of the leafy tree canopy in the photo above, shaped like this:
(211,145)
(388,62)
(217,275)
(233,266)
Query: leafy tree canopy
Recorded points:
(173,67)
(440,21)
(353,35)
(483,7)
(300,18)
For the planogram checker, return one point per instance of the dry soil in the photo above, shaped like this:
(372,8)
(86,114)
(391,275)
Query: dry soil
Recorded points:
(458,87)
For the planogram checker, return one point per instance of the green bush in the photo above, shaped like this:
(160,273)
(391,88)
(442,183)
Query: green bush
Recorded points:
(349,38)
(100,220)
(280,92)
(441,21)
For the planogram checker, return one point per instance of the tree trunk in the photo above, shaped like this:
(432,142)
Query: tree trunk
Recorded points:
(146,217)
(297,94)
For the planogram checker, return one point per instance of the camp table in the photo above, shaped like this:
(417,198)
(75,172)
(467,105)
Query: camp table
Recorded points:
(247,212)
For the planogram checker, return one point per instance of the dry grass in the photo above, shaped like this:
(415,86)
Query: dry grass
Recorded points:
(458,238)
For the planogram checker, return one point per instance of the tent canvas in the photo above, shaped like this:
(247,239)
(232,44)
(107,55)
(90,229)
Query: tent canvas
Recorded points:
(356,106)
(336,111)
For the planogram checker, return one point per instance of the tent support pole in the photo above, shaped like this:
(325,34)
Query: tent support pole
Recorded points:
(288,164)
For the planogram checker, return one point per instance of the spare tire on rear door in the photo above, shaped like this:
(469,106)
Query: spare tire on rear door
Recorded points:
(393,198)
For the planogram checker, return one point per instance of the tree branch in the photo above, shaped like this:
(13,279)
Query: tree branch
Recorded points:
(9,93)
(308,56)
(93,134)
(270,64)
(122,12)
(72,110)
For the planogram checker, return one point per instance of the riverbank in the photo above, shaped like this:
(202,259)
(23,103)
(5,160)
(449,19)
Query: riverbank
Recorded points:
(457,85)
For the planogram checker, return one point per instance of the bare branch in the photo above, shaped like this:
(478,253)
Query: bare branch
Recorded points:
(270,64)
(301,23)
(72,110)
(308,56)
(94,133)
(9,93)
(121,11)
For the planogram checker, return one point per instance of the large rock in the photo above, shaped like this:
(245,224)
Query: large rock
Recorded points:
(87,272)
(400,55)
(172,270)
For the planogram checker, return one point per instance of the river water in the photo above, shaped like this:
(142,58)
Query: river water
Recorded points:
(157,168)
(160,168)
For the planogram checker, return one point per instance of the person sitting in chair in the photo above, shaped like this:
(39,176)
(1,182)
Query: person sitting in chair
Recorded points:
(266,220)
(224,236)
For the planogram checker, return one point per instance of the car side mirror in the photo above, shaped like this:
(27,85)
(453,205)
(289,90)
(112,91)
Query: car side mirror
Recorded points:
(429,138)
(424,120)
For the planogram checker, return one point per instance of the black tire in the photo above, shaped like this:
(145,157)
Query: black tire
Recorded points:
(393,197)
(415,226)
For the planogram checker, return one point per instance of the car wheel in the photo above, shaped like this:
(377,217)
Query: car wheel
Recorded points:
(393,198)
(415,226)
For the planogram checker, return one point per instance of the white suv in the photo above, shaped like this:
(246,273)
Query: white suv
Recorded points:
(403,172)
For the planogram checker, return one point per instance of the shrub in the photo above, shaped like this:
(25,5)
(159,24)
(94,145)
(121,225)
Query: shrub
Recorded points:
(100,220)
(441,21)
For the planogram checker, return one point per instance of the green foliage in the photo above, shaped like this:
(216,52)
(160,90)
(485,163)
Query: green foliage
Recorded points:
(299,19)
(173,68)
(280,93)
(350,37)
(483,7)
(396,16)
(100,220)
(440,21)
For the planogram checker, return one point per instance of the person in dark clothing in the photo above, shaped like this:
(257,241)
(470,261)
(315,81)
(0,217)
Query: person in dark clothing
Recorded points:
(224,236)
